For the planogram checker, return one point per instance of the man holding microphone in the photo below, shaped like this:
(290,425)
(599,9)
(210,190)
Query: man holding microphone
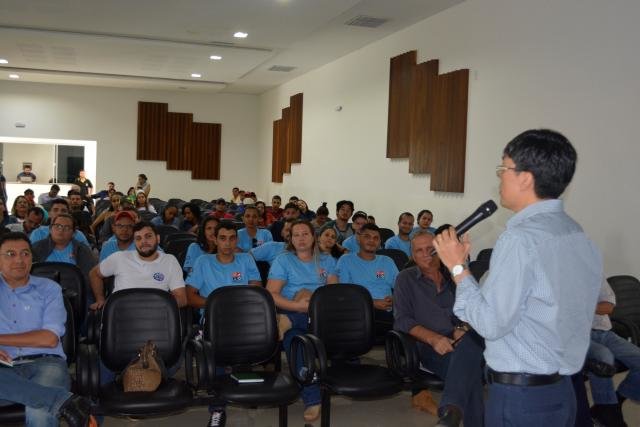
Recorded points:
(536,307)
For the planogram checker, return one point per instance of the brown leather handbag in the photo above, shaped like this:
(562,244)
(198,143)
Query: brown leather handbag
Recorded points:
(145,372)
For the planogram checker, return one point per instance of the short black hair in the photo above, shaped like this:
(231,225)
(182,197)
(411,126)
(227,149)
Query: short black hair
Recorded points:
(276,197)
(74,223)
(423,212)
(226,225)
(359,214)
(55,187)
(370,227)
(28,191)
(404,214)
(251,207)
(195,209)
(73,193)
(142,224)
(291,205)
(548,156)
(13,236)
(58,202)
(37,210)
(344,202)
(143,176)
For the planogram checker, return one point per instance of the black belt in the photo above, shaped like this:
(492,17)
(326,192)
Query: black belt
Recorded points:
(521,379)
(36,356)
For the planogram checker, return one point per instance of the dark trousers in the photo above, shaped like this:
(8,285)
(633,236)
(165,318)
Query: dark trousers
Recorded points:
(532,406)
(383,322)
(462,373)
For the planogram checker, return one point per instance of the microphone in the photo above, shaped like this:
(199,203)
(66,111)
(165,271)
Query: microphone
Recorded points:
(484,211)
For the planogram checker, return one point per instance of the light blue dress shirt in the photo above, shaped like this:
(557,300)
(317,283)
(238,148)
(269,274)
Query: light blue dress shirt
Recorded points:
(299,274)
(377,275)
(536,307)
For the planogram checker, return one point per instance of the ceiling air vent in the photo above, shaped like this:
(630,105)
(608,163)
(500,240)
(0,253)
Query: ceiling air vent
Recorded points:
(366,21)
(282,68)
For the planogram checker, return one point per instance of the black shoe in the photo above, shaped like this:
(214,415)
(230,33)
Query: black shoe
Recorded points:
(218,418)
(600,368)
(76,411)
(451,417)
(607,415)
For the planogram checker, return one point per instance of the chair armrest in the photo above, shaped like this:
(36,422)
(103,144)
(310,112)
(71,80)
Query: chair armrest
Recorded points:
(401,354)
(88,371)
(94,321)
(310,351)
(632,330)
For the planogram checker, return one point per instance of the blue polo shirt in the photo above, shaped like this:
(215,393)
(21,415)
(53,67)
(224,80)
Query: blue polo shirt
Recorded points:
(194,251)
(42,233)
(377,275)
(268,252)
(351,244)
(62,255)
(299,274)
(396,242)
(111,246)
(35,306)
(209,274)
(245,242)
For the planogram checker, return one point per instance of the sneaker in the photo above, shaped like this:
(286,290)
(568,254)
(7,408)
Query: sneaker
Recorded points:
(76,411)
(218,418)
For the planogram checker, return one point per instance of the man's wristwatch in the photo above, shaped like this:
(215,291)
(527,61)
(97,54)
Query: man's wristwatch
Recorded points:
(457,269)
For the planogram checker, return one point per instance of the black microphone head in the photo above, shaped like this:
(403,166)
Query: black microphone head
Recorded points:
(487,208)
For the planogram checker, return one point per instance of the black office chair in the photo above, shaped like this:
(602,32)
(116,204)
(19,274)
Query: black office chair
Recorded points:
(386,234)
(341,329)
(484,255)
(147,215)
(626,314)
(158,204)
(240,331)
(130,317)
(178,247)
(478,268)
(165,231)
(402,356)
(399,257)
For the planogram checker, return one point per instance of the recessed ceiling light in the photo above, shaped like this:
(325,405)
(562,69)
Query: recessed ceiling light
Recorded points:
(240,35)
(196,75)
(3,61)
(215,57)
(14,76)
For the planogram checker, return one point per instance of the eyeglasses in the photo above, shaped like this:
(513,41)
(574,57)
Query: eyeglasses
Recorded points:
(61,227)
(124,226)
(500,169)
(24,254)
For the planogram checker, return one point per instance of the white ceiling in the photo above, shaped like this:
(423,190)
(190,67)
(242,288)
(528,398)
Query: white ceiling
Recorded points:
(157,44)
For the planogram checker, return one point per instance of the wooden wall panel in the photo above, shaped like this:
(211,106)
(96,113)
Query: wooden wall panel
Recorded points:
(287,139)
(276,160)
(205,151)
(295,129)
(422,116)
(179,140)
(152,125)
(400,88)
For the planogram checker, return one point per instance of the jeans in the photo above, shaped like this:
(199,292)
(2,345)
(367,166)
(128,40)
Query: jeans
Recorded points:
(299,326)
(608,347)
(531,406)
(41,385)
(462,373)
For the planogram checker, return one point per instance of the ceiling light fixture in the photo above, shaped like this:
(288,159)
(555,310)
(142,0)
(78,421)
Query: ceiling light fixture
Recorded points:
(215,57)
(240,35)
(14,76)
(3,61)
(196,75)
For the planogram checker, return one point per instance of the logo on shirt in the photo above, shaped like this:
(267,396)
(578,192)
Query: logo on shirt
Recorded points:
(323,273)
(158,277)
(236,276)
(380,274)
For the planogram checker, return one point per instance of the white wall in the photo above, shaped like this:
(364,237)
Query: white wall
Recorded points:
(571,65)
(109,116)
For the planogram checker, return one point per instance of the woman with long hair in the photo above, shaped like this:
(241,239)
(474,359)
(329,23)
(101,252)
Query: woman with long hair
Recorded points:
(168,216)
(305,212)
(328,243)
(206,243)
(293,277)
(115,199)
(5,218)
(142,203)
(190,218)
(262,213)
(20,208)
(425,218)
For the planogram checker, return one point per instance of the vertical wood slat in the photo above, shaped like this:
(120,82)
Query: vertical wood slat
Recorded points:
(205,151)
(400,88)
(152,125)
(422,116)
(276,161)
(179,140)
(287,139)
(295,129)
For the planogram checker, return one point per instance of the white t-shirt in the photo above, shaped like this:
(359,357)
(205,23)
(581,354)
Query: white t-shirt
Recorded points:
(131,271)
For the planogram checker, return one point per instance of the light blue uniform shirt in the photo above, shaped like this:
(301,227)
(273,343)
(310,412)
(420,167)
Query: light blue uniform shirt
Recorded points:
(209,274)
(194,251)
(299,274)
(396,242)
(111,246)
(268,252)
(36,306)
(377,275)
(158,220)
(245,242)
(42,233)
(536,307)
(351,244)
(65,255)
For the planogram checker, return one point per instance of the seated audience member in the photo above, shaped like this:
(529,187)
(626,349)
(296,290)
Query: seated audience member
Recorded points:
(77,203)
(251,236)
(47,197)
(190,218)
(269,251)
(5,218)
(114,206)
(147,267)
(305,212)
(294,199)
(377,273)
(344,209)
(168,216)
(401,240)
(82,213)
(291,210)
(122,227)
(328,243)
(423,301)
(607,347)
(262,213)
(33,221)
(142,204)
(220,210)
(351,243)
(30,196)
(206,243)
(58,206)
(371,219)
(293,277)
(26,175)
(274,212)
(106,230)
(20,208)
(322,216)
(236,196)
(86,187)
(143,184)
(425,218)
(32,321)
(105,194)
(131,195)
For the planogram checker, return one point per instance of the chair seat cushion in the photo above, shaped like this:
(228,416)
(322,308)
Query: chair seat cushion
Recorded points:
(277,389)
(172,396)
(361,381)
(11,414)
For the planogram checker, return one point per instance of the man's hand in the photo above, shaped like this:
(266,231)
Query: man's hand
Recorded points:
(458,333)
(442,345)
(97,305)
(383,304)
(5,356)
(450,250)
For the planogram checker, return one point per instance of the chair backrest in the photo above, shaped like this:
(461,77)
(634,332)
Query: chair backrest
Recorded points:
(72,282)
(484,255)
(158,204)
(165,231)
(179,247)
(386,234)
(341,316)
(130,317)
(102,205)
(180,235)
(627,290)
(147,215)
(478,268)
(240,322)
(398,257)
